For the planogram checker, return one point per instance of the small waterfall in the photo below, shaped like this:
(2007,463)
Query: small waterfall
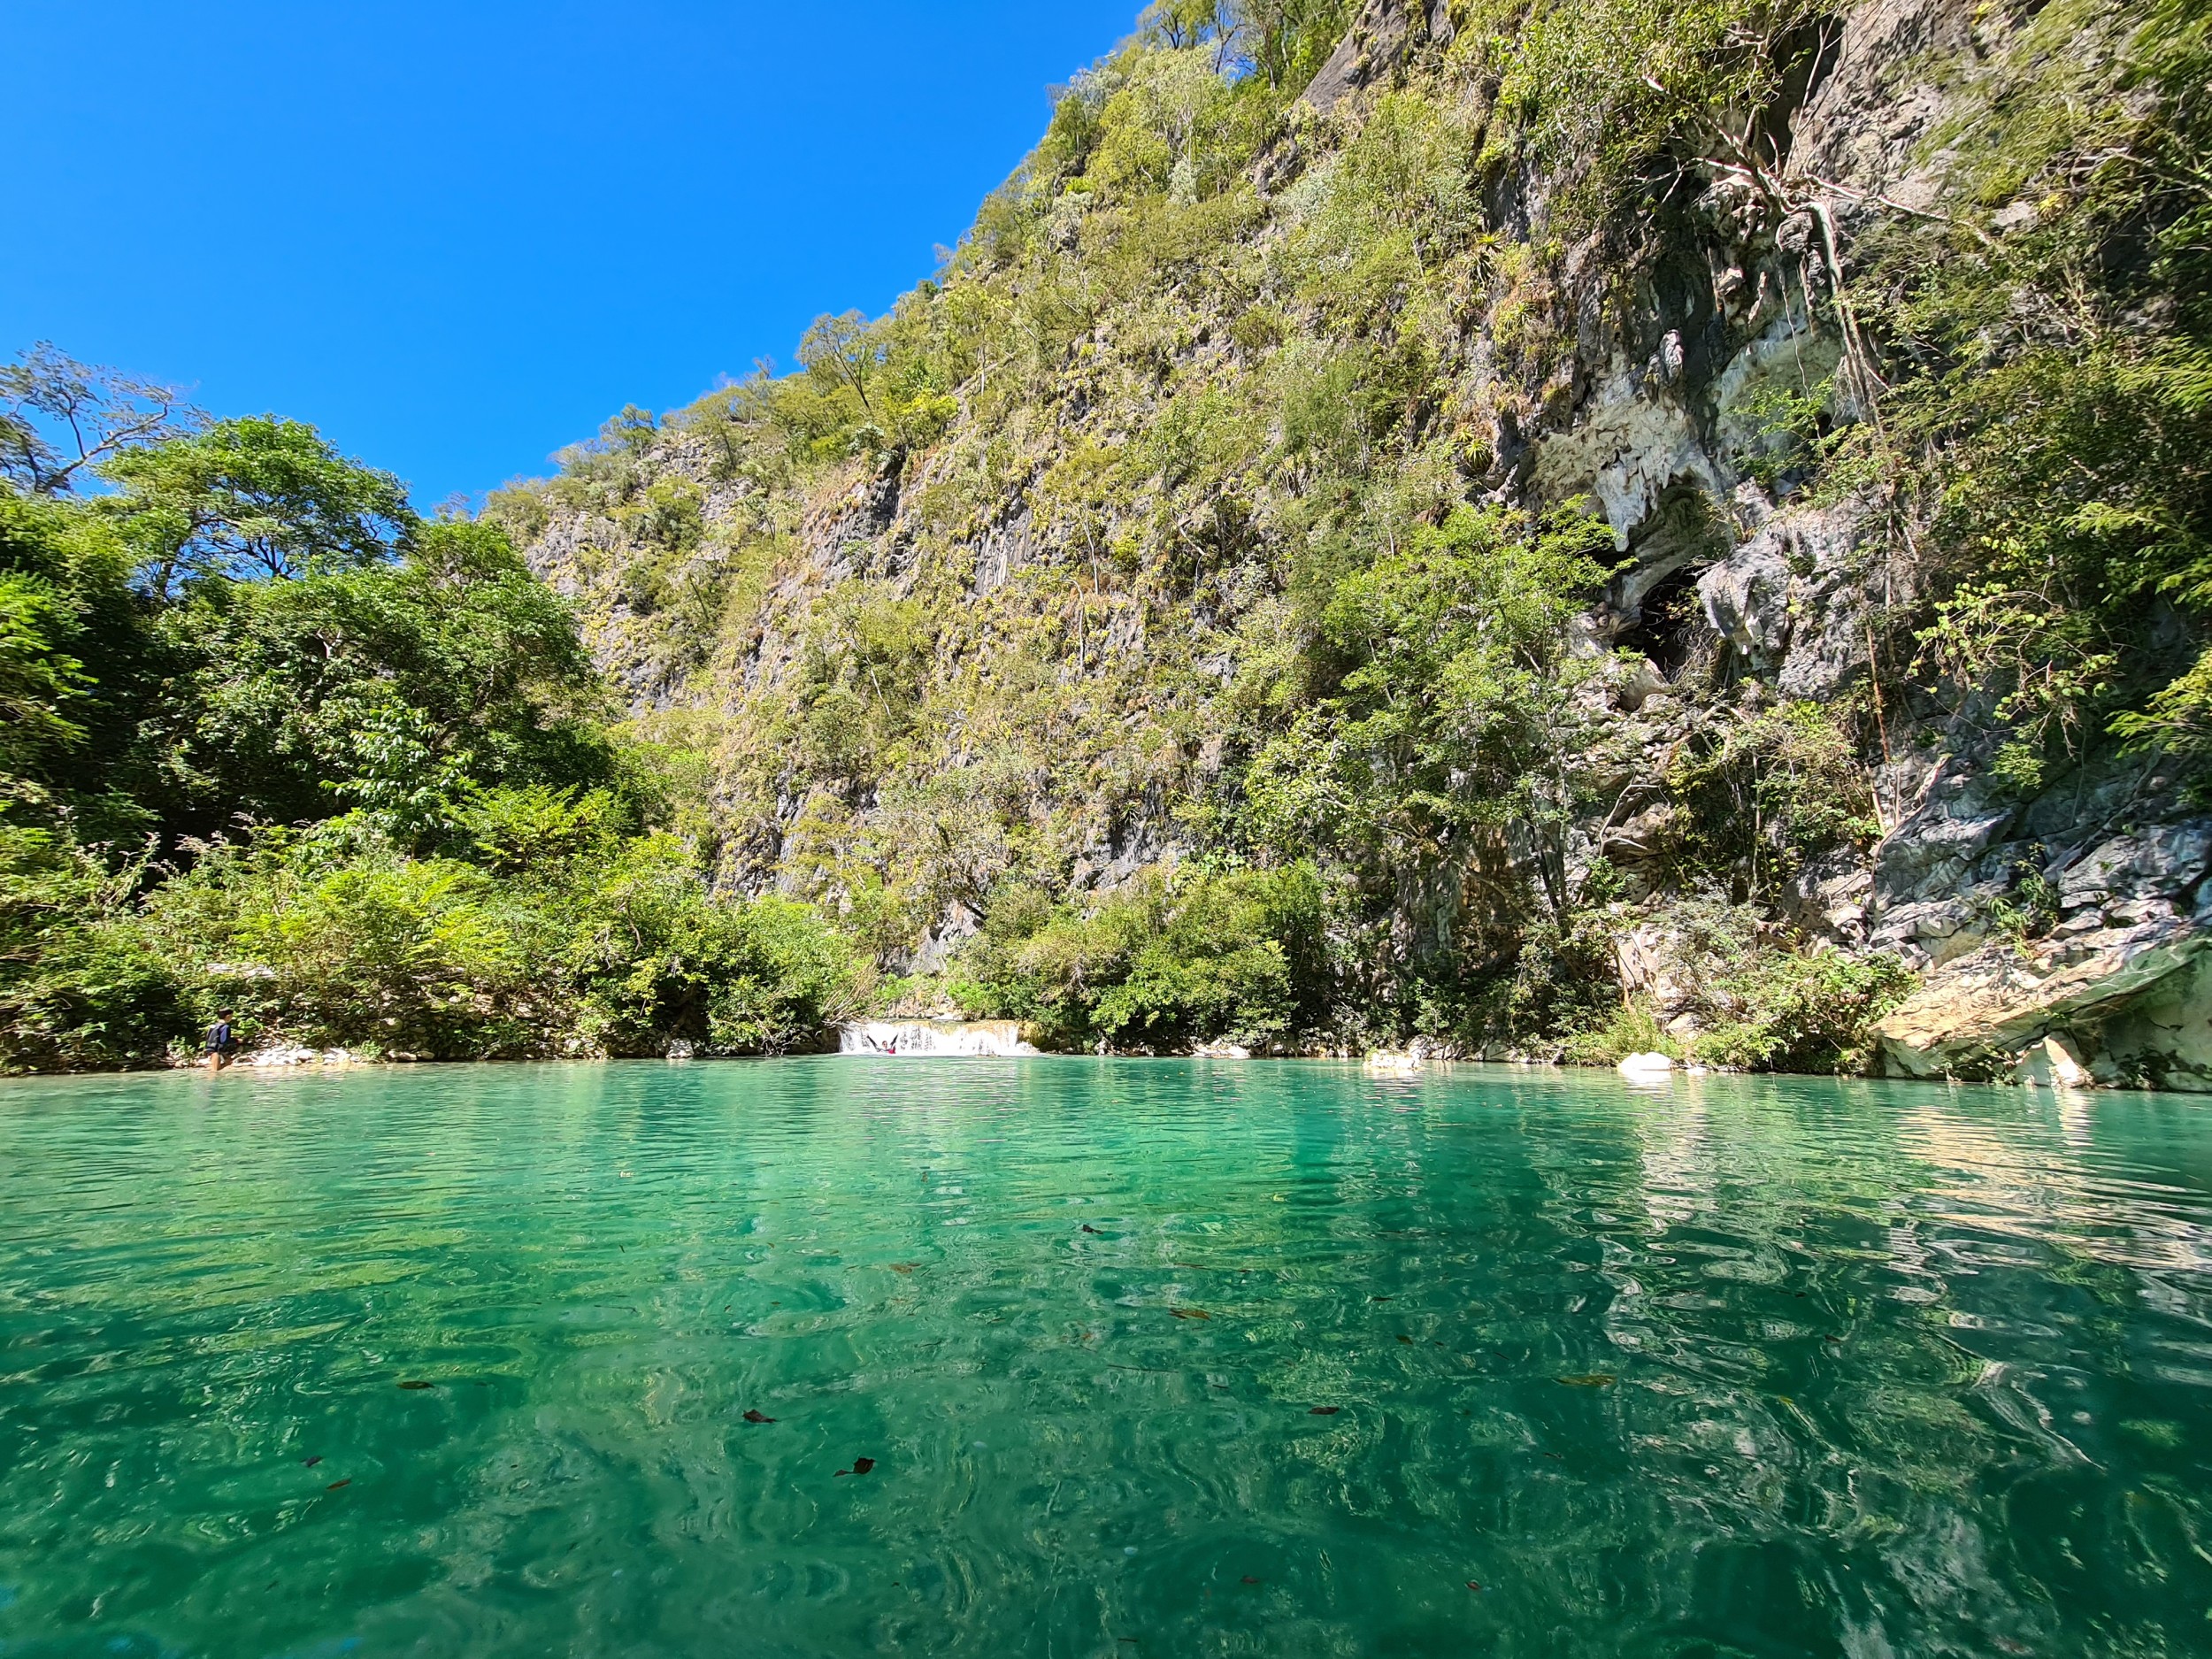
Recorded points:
(935,1039)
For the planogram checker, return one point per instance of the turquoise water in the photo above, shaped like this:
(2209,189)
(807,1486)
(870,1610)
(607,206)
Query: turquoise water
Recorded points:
(1143,1358)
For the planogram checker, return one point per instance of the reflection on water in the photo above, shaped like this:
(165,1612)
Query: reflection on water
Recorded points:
(1072,1358)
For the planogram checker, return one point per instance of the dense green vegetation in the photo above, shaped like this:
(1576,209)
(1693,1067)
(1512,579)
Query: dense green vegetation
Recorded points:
(277,744)
(1158,627)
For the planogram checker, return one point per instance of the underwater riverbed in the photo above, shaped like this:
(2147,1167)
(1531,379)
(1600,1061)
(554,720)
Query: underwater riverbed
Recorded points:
(1078,1357)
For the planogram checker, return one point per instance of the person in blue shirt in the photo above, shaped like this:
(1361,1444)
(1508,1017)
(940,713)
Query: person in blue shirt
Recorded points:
(221,1041)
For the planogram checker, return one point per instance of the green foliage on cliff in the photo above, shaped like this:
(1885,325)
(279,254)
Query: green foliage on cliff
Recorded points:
(1190,458)
(2060,384)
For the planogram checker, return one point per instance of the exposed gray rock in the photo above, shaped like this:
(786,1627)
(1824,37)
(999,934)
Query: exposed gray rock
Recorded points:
(1623,450)
(1998,1001)
(1658,967)
(2119,973)
(1376,44)
(2164,1036)
(1791,600)
(1932,856)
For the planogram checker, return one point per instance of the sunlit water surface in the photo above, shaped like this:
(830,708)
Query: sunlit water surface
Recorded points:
(1143,1358)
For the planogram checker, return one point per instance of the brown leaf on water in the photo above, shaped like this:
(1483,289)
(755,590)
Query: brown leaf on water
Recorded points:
(754,1417)
(902,1267)
(1593,1379)
(1471,1584)
(1190,1313)
(334,1485)
(1324,1412)
(417,1385)
(863,1465)
(1402,1337)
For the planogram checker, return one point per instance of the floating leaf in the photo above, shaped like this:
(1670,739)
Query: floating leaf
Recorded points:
(1593,1379)
(1324,1412)
(334,1485)
(1190,1313)
(754,1417)
(1402,1337)
(1471,1584)
(417,1385)
(902,1267)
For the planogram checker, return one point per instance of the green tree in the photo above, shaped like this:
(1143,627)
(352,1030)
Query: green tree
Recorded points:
(394,686)
(1455,707)
(60,418)
(253,497)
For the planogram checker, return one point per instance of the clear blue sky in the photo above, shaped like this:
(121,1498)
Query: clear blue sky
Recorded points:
(456,235)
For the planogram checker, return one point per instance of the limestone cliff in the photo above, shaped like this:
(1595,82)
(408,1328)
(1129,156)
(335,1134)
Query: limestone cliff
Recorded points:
(1030,585)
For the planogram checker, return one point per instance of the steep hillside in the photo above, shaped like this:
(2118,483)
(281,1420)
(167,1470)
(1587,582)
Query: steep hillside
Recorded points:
(1552,528)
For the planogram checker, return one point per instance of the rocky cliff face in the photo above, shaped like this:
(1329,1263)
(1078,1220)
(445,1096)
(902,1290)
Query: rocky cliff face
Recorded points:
(1040,616)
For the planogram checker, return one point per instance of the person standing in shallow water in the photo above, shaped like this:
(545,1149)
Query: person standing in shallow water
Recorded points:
(221,1041)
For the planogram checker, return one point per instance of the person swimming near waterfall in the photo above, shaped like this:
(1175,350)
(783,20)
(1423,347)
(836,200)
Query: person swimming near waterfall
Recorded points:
(221,1041)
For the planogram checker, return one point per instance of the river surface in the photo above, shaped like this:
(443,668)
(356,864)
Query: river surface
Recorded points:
(1069,1357)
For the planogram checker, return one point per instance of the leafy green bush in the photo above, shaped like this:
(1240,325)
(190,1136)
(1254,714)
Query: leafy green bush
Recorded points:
(336,937)
(82,986)
(655,958)
(1630,1028)
(1771,790)
(2059,416)
(1163,965)
(1803,1010)
(567,936)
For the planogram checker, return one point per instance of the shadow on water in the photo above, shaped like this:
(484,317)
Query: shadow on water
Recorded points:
(1083,1357)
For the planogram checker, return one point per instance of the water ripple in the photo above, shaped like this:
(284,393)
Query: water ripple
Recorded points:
(1141,1357)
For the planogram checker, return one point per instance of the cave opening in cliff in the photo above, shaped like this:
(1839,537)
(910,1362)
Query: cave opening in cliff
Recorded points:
(1670,624)
(1655,593)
